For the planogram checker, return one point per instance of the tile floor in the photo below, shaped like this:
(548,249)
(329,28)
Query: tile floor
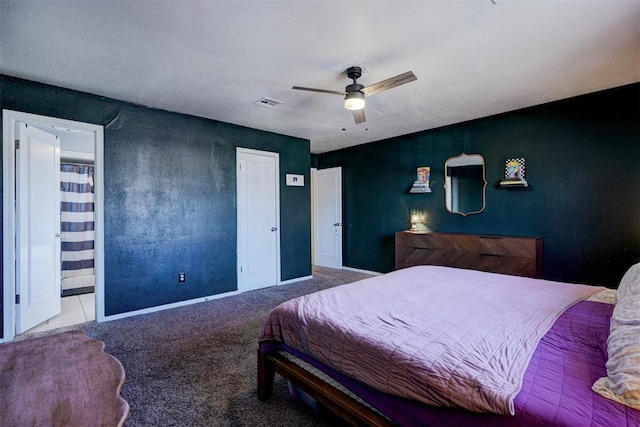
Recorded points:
(75,309)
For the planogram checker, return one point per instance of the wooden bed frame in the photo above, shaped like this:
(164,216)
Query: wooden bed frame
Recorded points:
(338,402)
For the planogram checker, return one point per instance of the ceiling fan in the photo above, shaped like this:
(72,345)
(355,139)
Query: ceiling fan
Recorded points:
(354,93)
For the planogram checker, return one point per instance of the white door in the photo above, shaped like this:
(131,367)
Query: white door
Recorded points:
(327,201)
(258,219)
(37,226)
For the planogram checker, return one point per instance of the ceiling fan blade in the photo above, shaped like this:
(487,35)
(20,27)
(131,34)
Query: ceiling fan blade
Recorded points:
(310,89)
(389,83)
(358,116)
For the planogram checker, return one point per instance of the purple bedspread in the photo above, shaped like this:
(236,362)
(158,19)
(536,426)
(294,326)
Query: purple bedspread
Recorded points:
(438,335)
(556,390)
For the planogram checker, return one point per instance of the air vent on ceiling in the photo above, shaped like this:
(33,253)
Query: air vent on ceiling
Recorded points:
(267,102)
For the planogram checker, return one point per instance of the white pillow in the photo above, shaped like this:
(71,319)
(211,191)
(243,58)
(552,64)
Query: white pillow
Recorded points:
(622,382)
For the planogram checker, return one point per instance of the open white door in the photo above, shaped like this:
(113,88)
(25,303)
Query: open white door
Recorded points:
(37,226)
(327,202)
(258,219)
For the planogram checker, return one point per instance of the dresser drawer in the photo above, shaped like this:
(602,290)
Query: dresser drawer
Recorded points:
(407,256)
(515,266)
(496,245)
(425,240)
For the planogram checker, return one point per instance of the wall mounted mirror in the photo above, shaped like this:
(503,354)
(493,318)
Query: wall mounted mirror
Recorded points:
(464,184)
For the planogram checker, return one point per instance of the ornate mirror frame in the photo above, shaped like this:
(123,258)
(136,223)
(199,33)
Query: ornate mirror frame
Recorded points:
(476,179)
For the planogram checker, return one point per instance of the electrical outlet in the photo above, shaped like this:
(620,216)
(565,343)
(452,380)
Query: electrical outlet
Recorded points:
(182,277)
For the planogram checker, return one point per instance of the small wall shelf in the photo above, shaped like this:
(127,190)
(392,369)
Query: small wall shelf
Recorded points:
(513,183)
(419,189)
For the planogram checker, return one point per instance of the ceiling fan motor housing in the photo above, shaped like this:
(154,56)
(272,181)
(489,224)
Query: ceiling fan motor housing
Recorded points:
(354,87)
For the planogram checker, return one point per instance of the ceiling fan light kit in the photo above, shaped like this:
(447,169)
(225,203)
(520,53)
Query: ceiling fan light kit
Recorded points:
(354,100)
(354,93)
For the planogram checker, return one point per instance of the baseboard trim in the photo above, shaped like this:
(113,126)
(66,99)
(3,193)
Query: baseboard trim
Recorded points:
(357,270)
(297,279)
(168,306)
(212,297)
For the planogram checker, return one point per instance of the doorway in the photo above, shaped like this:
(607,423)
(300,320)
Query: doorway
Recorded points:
(13,226)
(258,207)
(327,217)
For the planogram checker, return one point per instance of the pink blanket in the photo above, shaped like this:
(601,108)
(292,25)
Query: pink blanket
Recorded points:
(439,335)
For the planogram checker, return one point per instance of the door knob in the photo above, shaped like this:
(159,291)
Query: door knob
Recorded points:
(274,228)
(337,224)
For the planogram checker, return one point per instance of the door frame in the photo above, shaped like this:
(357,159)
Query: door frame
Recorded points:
(276,156)
(9,120)
(312,184)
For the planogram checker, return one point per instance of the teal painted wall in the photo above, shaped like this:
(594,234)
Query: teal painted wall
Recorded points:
(170,195)
(583,166)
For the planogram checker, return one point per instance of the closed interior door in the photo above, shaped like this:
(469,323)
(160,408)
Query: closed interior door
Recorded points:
(328,217)
(258,219)
(37,226)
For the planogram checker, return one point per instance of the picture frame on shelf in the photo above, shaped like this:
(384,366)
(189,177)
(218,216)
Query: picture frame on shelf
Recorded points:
(514,174)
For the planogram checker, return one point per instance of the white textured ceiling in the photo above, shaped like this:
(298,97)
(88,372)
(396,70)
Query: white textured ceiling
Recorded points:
(214,59)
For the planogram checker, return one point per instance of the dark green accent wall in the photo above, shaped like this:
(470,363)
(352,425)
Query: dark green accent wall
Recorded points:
(170,195)
(582,162)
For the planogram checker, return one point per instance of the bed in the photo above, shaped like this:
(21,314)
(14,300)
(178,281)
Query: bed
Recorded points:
(405,349)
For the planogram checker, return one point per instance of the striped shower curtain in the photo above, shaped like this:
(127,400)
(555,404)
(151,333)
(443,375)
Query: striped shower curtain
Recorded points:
(76,203)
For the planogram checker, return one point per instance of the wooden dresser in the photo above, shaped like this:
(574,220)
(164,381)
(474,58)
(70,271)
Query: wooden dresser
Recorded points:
(518,256)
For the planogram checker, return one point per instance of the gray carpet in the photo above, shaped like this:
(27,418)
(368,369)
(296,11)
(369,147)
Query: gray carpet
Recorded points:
(196,365)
